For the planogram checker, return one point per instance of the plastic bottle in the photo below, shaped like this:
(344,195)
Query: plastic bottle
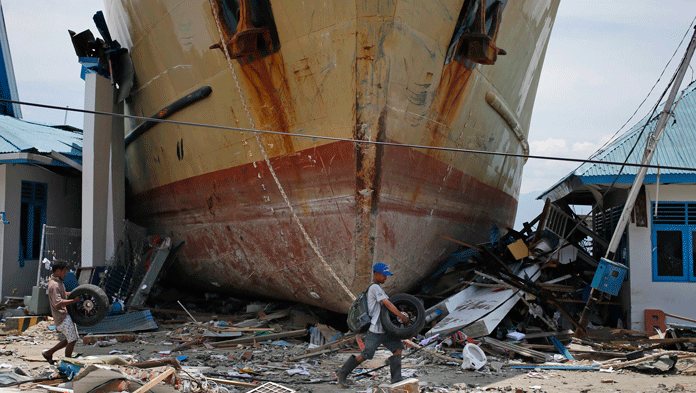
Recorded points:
(433,315)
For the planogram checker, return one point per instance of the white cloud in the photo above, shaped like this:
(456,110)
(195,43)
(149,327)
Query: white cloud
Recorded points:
(601,62)
(550,145)
(584,147)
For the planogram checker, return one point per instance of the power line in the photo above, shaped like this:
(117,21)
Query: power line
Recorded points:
(652,88)
(337,139)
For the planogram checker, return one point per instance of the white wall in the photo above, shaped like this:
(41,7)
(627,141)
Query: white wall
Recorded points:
(63,208)
(671,297)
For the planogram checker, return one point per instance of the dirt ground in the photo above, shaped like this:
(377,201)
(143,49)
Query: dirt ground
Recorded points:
(316,374)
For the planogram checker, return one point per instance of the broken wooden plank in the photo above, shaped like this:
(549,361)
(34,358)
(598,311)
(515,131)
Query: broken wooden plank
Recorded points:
(198,341)
(155,381)
(543,347)
(536,355)
(228,382)
(244,329)
(558,288)
(157,363)
(658,342)
(275,315)
(94,338)
(678,317)
(311,354)
(680,354)
(462,243)
(529,336)
(542,367)
(265,337)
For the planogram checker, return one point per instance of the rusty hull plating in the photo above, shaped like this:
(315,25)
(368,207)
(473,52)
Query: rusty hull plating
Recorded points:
(305,219)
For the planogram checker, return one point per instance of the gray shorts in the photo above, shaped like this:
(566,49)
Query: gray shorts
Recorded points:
(373,340)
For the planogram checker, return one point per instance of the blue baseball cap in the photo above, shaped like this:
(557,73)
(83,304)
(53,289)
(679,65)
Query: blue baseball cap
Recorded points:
(382,268)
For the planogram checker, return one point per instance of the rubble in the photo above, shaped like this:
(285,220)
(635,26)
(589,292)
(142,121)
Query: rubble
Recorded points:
(506,310)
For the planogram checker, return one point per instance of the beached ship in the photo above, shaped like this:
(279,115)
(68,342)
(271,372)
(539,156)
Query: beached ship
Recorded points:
(304,218)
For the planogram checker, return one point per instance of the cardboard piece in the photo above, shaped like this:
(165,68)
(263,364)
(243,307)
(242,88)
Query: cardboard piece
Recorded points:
(519,249)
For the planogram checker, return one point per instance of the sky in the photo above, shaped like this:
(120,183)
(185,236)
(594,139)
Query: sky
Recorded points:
(602,60)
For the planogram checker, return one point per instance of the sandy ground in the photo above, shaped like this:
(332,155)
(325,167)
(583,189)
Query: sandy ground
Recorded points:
(25,352)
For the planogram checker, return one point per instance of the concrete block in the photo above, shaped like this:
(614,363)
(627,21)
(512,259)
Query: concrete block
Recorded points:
(409,385)
(22,323)
(37,304)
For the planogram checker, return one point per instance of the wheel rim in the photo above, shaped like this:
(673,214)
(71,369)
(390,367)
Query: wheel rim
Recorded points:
(409,309)
(88,306)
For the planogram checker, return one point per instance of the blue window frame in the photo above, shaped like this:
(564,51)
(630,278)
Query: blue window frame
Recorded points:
(673,240)
(32,220)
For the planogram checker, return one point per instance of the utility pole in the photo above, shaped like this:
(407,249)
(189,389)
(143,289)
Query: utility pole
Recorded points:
(650,147)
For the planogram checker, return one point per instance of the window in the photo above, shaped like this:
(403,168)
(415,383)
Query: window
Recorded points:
(673,241)
(32,220)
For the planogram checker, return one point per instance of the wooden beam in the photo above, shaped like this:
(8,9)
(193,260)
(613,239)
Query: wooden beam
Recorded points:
(157,363)
(311,354)
(228,382)
(462,243)
(244,329)
(266,337)
(155,381)
(678,317)
(536,355)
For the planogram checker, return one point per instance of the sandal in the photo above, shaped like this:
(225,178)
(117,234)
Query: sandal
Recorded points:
(49,359)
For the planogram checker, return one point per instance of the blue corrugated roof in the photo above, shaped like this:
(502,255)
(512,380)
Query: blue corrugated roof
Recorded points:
(676,148)
(18,136)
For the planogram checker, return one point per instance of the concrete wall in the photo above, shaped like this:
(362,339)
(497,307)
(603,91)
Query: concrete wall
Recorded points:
(63,208)
(671,297)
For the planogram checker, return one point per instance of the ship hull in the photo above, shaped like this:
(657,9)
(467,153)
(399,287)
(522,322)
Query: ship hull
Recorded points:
(305,219)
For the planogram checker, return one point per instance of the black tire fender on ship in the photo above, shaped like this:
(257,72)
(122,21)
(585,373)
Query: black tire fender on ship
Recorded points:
(410,305)
(92,308)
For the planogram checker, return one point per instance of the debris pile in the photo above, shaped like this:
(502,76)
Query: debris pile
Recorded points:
(513,305)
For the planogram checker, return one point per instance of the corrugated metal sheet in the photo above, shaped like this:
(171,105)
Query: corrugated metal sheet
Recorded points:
(22,136)
(676,148)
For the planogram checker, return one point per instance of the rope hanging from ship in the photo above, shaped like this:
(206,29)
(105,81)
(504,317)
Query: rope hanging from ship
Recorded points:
(244,10)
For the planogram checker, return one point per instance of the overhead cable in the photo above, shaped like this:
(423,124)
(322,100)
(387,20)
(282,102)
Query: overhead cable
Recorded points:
(337,139)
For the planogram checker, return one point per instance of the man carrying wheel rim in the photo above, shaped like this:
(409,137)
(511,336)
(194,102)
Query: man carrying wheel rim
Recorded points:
(58,299)
(376,334)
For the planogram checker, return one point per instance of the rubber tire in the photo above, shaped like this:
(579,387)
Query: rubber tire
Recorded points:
(100,305)
(407,303)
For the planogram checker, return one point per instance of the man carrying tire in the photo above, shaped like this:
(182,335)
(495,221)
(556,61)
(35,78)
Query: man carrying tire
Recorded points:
(58,299)
(376,334)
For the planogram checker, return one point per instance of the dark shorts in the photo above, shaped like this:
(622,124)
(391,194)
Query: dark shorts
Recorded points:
(373,340)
